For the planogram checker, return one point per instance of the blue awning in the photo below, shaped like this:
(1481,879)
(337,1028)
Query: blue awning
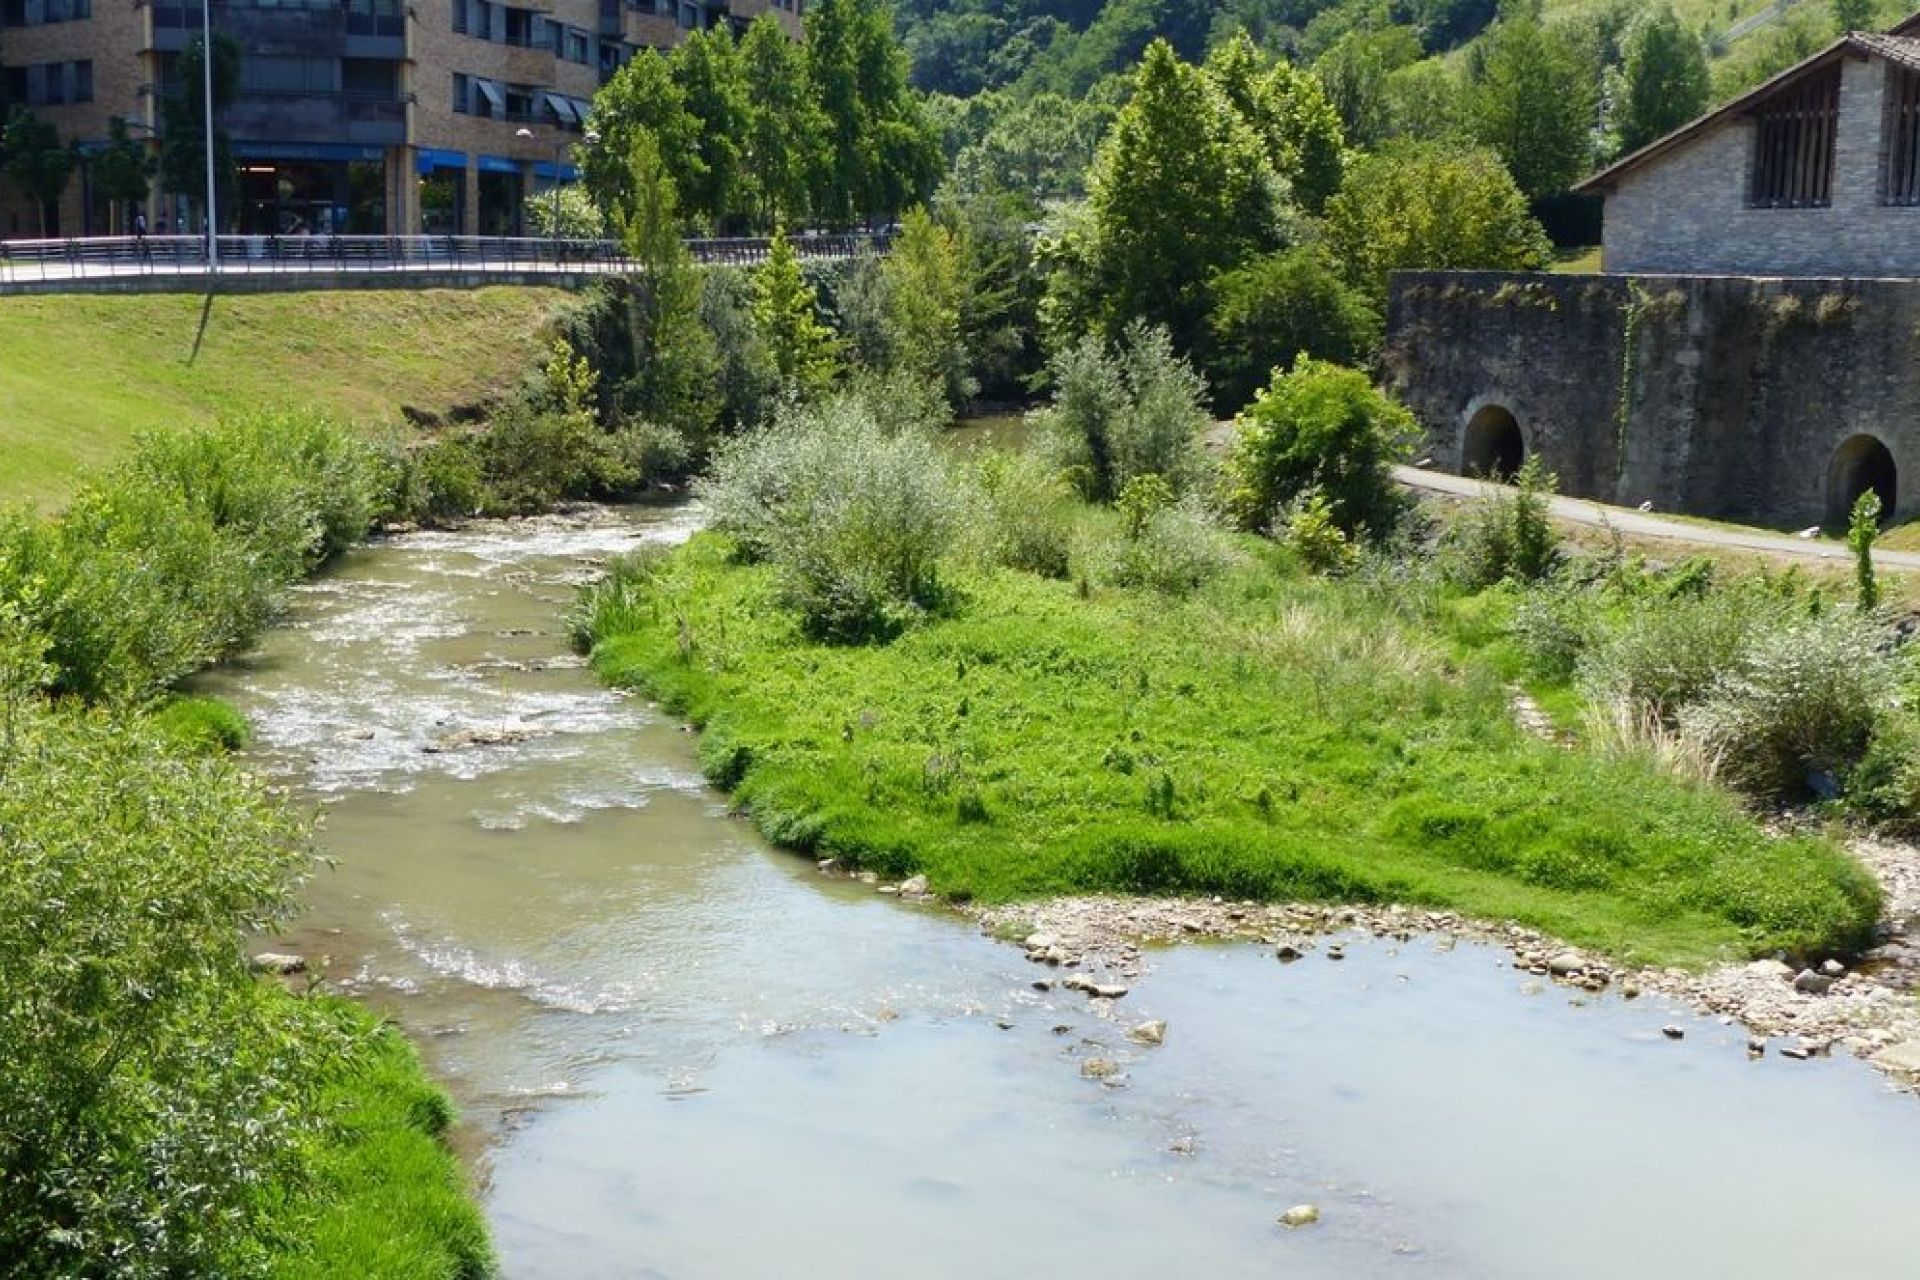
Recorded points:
(546,171)
(430,159)
(498,164)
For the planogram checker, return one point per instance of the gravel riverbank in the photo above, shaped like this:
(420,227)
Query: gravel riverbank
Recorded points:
(1097,944)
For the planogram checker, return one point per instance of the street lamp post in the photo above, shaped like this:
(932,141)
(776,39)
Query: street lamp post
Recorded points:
(206,84)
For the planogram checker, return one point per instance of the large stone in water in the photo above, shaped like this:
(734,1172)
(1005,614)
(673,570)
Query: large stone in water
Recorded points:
(1299,1216)
(1901,1055)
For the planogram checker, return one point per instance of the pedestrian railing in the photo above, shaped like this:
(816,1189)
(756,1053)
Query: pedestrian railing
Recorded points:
(109,257)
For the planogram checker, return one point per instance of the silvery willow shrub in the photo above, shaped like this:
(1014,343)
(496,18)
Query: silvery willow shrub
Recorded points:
(1135,410)
(1800,707)
(1028,519)
(855,519)
(1673,648)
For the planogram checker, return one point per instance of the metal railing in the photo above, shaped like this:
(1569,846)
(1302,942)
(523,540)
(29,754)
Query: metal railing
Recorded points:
(112,257)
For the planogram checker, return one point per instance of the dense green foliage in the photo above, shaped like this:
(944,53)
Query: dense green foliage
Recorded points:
(1323,429)
(1123,412)
(164,1113)
(1280,306)
(1664,81)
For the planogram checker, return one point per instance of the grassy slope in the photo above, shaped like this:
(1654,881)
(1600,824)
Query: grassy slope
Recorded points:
(389,1200)
(1317,748)
(81,374)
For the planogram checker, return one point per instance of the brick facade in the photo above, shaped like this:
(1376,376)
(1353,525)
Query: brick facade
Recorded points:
(1687,211)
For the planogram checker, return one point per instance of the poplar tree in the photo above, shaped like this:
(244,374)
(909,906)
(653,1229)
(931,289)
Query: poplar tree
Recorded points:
(786,315)
(1664,82)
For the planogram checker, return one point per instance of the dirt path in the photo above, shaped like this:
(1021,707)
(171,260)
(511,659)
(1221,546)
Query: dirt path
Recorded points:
(1640,524)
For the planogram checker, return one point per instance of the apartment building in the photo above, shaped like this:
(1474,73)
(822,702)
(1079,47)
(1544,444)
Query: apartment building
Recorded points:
(353,116)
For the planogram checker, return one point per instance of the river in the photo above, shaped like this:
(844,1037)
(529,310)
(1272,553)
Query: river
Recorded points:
(682,1053)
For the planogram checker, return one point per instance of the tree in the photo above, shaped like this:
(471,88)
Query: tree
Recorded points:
(121,170)
(786,316)
(1181,190)
(712,79)
(1664,82)
(642,97)
(675,364)
(1854,15)
(1277,308)
(37,162)
(879,151)
(783,124)
(926,289)
(1531,99)
(1288,111)
(1354,71)
(183,126)
(1427,207)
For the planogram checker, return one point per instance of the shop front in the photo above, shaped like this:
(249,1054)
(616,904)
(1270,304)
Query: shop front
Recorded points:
(297,189)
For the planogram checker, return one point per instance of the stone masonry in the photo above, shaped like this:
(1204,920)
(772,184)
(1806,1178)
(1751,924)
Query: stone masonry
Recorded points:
(1753,399)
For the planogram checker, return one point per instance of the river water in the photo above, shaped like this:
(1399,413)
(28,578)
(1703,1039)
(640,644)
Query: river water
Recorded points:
(681,1053)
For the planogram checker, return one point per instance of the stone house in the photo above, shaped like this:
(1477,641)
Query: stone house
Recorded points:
(1752,348)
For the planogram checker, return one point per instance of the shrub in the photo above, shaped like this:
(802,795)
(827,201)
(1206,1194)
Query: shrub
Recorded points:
(1884,787)
(1178,549)
(532,458)
(203,724)
(616,603)
(156,1098)
(1863,526)
(441,481)
(1507,536)
(1028,518)
(1321,427)
(748,375)
(1672,649)
(854,519)
(1277,307)
(1799,710)
(1314,536)
(1136,410)
(1553,628)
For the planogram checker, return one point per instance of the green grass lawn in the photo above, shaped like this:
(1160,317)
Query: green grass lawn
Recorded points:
(1276,736)
(82,373)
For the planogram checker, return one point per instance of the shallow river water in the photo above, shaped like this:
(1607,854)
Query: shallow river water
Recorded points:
(681,1053)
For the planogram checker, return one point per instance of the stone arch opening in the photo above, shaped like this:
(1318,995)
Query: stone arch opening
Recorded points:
(1494,447)
(1860,464)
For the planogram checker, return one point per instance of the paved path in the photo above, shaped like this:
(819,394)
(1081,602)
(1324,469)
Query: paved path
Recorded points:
(1641,524)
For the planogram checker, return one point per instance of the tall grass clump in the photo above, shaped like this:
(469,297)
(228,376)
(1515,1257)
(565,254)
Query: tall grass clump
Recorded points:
(1027,515)
(1669,650)
(1134,410)
(1508,536)
(855,519)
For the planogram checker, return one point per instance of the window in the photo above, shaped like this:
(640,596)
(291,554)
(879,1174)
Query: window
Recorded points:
(370,79)
(271,75)
(577,47)
(53,83)
(519,102)
(482,20)
(1793,140)
(462,94)
(519,26)
(460,16)
(83,80)
(1903,136)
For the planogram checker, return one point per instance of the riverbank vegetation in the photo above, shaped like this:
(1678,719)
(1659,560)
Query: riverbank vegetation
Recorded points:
(982,677)
(166,1113)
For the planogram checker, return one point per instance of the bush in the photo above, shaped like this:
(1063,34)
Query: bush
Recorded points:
(1507,536)
(1137,410)
(1028,519)
(854,519)
(1673,648)
(1278,307)
(1799,710)
(203,724)
(1314,536)
(1320,427)
(749,376)
(617,602)
(1553,627)
(441,481)
(155,1096)
(1177,550)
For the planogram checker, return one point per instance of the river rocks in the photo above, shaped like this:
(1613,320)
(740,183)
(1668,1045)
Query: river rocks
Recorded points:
(496,736)
(913,887)
(1566,965)
(1152,1032)
(1756,1046)
(1775,970)
(1078,982)
(1336,952)
(1798,1052)
(1287,953)
(1673,1032)
(1902,1056)
(1099,1068)
(280,963)
(1109,990)
(1300,1215)
(1833,969)
(1812,984)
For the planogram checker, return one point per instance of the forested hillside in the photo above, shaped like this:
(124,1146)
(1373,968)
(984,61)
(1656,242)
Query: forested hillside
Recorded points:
(1558,87)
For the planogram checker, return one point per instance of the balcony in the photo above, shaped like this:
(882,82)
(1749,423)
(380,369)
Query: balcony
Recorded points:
(372,119)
